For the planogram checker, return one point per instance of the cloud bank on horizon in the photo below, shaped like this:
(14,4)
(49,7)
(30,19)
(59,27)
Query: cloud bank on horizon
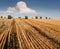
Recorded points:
(21,7)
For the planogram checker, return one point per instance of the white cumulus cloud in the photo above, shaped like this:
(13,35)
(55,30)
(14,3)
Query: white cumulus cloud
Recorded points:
(11,10)
(21,7)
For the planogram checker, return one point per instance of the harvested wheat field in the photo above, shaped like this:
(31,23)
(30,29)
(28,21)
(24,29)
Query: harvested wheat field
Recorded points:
(18,33)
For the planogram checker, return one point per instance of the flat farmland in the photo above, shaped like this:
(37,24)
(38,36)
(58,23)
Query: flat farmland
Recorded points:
(18,33)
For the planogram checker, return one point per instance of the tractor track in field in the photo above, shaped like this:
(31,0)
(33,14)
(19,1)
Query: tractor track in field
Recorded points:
(38,42)
(11,40)
(54,41)
(33,34)
(23,34)
(3,33)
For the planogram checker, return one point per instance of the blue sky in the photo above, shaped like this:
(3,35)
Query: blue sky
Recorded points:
(49,8)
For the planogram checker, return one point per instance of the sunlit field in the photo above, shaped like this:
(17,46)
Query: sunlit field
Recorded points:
(19,33)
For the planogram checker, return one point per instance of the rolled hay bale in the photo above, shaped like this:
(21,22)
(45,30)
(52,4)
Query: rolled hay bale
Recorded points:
(40,17)
(19,17)
(49,18)
(45,17)
(26,17)
(36,17)
(9,16)
(1,16)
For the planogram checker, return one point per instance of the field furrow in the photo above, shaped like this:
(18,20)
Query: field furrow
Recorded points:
(29,34)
